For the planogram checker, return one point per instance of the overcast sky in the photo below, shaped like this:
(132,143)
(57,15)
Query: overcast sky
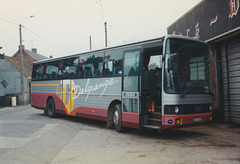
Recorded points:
(63,27)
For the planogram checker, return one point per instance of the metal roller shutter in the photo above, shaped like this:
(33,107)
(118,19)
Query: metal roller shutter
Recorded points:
(230,61)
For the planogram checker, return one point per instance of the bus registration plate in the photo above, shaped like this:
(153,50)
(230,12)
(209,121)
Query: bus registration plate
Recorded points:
(197,119)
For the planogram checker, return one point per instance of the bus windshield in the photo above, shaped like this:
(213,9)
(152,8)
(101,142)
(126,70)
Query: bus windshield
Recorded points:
(186,67)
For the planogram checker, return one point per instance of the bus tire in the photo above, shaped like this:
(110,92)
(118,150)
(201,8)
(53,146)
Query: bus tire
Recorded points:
(117,118)
(51,112)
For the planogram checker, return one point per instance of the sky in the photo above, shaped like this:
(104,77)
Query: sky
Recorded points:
(63,27)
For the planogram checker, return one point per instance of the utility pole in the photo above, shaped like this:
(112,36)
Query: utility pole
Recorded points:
(105,25)
(90,40)
(22,95)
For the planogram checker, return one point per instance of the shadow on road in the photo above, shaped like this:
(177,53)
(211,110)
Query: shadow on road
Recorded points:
(173,134)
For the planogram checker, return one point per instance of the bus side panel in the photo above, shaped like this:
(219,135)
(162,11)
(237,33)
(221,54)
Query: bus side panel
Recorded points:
(93,96)
(38,100)
(89,112)
(41,91)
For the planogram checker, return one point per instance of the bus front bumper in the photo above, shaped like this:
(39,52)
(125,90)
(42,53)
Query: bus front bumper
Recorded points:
(176,121)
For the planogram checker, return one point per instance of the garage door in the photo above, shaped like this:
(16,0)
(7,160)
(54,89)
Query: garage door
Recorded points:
(230,61)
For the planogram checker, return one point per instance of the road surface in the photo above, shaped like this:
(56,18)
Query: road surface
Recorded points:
(28,136)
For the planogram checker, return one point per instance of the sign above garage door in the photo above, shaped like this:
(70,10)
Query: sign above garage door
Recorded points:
(209,20)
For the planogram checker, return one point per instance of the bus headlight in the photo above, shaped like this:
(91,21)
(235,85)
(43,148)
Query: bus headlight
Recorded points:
(172,109)
(176,109)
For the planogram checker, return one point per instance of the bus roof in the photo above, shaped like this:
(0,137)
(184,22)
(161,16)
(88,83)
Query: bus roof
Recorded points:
(121,46)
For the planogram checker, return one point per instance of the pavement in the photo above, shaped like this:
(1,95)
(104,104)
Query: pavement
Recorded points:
(225,126)
(28,136)
(14,107)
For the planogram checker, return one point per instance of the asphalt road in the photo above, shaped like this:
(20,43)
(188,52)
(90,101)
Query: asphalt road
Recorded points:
(27,136)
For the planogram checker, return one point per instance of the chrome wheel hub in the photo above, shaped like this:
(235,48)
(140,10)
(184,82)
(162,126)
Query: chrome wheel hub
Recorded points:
(116,118)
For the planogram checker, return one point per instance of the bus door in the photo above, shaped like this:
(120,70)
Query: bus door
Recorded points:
(151,89)
(130,89)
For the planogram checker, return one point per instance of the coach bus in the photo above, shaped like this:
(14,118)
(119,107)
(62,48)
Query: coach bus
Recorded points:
(161,83)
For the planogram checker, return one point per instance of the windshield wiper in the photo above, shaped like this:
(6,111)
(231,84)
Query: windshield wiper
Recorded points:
(193,87)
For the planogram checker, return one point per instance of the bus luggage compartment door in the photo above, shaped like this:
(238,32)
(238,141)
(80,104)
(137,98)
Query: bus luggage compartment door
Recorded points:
(130,109)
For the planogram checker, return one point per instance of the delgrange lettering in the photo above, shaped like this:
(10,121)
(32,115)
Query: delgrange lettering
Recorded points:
(91,88)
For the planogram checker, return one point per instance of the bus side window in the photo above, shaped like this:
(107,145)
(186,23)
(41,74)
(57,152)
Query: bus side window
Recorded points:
(107,72)
(44,71)
(80,70)
(87,72)
(113,63)
(34,72)
(91,65)
(85,67)
(117,70)
(96,71)
(68,68)
(108,65)
(51,71)
(37,72)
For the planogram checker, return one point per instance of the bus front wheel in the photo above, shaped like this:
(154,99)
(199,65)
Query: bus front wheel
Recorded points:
(117,118)
(51,108)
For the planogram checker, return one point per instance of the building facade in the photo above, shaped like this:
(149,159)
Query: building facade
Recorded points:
(217,22)
(10,85)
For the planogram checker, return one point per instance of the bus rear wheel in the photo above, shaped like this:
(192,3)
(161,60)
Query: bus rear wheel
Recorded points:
(51,108)
(117,118)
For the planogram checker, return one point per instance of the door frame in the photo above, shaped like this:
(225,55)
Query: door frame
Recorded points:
(131,118)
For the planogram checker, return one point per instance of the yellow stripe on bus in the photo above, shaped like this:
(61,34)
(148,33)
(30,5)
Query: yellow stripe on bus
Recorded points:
(42,84)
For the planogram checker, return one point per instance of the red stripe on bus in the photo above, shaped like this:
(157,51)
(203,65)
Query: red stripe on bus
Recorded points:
(133,114)
(130,120)
(90,108)
(82,107)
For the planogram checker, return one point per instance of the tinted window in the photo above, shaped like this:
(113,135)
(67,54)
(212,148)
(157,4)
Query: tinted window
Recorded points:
(51,71)
(91,66)
(155,62)
(68,68)
(38,72)
(131,66)
(83,66)
(186,67)
(113,63)
(197,68)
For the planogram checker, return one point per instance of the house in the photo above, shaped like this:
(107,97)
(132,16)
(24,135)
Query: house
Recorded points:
(10,84)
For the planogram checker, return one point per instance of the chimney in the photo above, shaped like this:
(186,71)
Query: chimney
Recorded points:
(23,47)
(50,56)
(34,50)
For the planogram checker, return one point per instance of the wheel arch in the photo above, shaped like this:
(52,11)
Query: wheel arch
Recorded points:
(50,109)
(49,97)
